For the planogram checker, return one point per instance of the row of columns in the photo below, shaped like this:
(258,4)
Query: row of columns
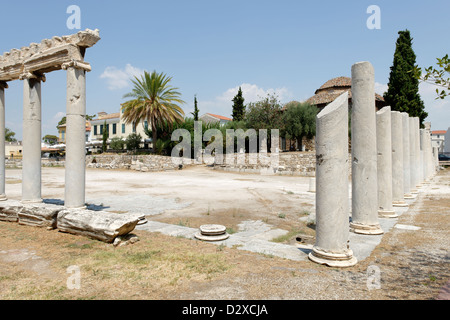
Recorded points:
(391,156)
(75,138)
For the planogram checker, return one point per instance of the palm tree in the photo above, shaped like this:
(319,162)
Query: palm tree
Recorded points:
(154,100)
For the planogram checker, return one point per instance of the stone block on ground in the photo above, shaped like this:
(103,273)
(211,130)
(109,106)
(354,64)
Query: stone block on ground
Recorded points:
(39,216)
(103,226)
(9,210)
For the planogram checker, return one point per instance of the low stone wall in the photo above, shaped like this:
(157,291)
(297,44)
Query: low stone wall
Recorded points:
(132,162)
(289,163)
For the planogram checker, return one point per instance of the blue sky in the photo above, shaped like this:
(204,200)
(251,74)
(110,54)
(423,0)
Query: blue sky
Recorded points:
(210,48)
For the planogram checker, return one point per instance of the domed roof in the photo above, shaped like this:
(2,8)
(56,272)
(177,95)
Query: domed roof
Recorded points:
(336,82)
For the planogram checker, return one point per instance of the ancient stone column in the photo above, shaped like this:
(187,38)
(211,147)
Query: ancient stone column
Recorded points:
(428,151)
(3,86)
(384,163)
(397,159)
(364,151)
(75,136)
(31,160)
(332,205)
(406,160)
(423,166)
(412,155)
(419,170)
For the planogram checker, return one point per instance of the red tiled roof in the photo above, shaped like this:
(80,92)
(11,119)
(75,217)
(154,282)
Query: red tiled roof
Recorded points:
(439,132)
(219,117)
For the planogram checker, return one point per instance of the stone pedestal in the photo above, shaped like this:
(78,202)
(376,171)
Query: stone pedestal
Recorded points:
(397,160)
(406,158)
(428,152)
(332,208)
(384,163)
(364,151)
(31,161)
(3,86)
(75,137)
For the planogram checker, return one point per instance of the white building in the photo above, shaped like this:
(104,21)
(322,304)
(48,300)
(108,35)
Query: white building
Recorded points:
(209,117)
(116,127)
(438,139)
(447,145)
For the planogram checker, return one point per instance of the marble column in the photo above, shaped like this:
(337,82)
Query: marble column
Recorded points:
(31,160)
(397,160)
(3,86)
(75,165)
(412,155)
(332,195)
(406,159)
(423,166)
(384,163)
(428,151)
(419,170)
(364,151)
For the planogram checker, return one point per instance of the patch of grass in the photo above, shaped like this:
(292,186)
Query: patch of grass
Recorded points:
(286,237)
(281,215)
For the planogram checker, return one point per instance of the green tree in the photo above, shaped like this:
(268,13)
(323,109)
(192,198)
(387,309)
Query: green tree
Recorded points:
(117,143)
(50,139)
(265,114)
(438,76)
(195,113)
(9,135)
(403,87)
(133,141)
(238,106)
(64,119)
(154,100)
(300,121)
(105,135)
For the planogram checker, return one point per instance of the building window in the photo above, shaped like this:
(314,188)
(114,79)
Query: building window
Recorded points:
(123,127)
(107,128)
(101,129)
(146,125)
(63,135)
(95,130)
(114,128)
(134,127)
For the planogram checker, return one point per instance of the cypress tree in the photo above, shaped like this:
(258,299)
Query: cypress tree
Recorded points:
(195,113)
(403,87)
(238,106)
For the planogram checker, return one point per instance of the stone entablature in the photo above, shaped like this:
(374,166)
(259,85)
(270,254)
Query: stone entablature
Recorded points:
(49,55)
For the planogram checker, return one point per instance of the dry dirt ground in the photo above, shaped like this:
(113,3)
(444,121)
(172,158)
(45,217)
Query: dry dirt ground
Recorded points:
(38,264)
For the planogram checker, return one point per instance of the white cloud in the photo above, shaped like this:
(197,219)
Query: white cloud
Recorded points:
(380,88)
(120,78)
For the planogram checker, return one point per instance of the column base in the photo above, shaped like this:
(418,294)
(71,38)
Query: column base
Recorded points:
(76,208)
(414,191)
(32,201)
(340,260)
(408,196)
(3,197)
(387,214)
(370,229)
(399,204)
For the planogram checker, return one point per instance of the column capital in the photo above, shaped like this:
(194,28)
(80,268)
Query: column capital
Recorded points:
(77,64)
(3,85)
(30,75)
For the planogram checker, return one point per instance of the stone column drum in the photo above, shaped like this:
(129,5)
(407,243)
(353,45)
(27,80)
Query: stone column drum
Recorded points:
(397,160)
(412,155)
(423,166)
(75,137)
(3,86)
(418,153)
(406,160)
(332,205)
(364,151)
(384,163)
(428,152)
(31,161)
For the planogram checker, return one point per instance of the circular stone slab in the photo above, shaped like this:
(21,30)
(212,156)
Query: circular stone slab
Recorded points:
(212,229)
(219,237)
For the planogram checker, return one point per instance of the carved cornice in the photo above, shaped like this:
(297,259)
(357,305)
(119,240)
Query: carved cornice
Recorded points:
(76,64)
(47,56)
